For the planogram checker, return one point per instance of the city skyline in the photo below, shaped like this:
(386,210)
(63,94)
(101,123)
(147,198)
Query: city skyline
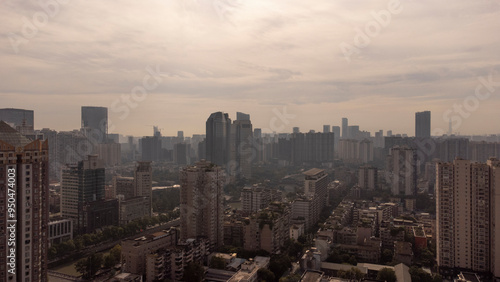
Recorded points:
(199,57)
(282,120)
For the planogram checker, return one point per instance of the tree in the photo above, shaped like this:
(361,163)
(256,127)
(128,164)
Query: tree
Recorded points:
(108,261)
(89,266)
(265,275)
(293,248)
(279,264)
(387,256)
(114,257)
(194,272)
(352,274)
(290,278)
(116,253)
(52,252)
(387,274)
(217,262)
(419,275)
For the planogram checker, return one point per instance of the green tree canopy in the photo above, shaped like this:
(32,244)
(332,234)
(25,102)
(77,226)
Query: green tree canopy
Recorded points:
(217,262)
(89,266)
(194,272)
(265,275)
(386,274)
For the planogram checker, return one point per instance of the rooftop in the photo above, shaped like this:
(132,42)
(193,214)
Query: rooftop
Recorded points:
(311,276)
(314,171)
(11,136)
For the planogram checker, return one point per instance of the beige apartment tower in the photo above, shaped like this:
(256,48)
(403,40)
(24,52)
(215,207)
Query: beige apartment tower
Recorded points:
(24,206)
(468,216)
(202,211)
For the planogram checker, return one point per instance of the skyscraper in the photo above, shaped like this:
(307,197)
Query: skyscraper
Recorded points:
(423,124)
(24,184)
(95,123)
(202,211)
(468,216)
(151,148)
(143,183)
(180,136)
(16,117)
(316,185)
(242,145)
(218,131)
(345,128)
(242,116)
(326,128)
(402,164)
(336,134)
(81,184)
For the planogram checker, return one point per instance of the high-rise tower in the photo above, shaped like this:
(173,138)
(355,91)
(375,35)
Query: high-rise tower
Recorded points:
(24,202)
(423,124)
(202,211)
(468,216)
(345,128)
(95,123)
(218,133)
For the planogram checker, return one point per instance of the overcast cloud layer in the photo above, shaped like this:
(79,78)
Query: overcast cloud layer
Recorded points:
(252,56)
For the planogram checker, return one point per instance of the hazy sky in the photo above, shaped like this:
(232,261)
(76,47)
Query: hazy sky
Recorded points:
(254,56)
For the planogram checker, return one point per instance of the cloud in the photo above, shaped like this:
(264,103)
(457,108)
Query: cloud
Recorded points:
(266,53)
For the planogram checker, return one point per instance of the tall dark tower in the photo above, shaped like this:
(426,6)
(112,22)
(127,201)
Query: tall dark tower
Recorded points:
(17,117)
(423,124)
(218,138)
(345,128)
(95,123)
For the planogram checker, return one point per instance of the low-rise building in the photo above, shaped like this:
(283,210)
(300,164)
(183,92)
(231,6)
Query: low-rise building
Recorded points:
(132,208)
(403,252)
(268,229)
(60,230)
(248,271)
(169,262)
(134,251)
(296,230)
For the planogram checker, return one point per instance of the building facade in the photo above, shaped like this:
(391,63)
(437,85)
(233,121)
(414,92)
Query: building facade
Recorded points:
(218,132)
(423,124)
(467,221)
(81,184)
(402,164)
(17,117)
(201,205)
(24,202)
